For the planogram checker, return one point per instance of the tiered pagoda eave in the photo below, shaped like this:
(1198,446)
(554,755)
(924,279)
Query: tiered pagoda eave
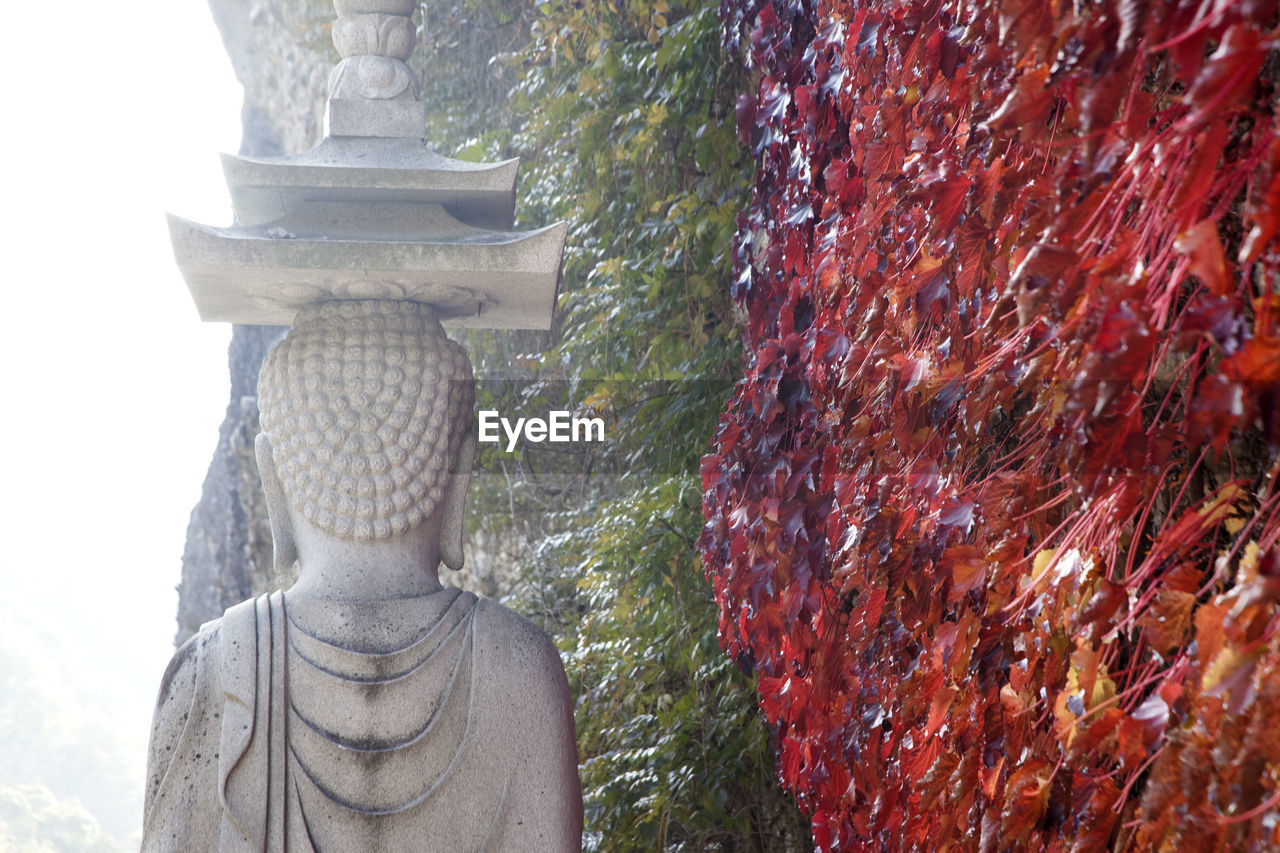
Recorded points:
(371,214)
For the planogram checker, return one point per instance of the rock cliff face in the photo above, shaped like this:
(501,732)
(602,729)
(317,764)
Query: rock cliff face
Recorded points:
(282,55)
(228,554)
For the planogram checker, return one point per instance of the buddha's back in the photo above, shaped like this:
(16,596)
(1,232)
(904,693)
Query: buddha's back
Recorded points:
(462,736)
(457,739)
(368,708)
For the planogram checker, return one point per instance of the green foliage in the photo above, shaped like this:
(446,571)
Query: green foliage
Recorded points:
(626,109)
(635,143)
(463,76)
(622,114)
(675,756)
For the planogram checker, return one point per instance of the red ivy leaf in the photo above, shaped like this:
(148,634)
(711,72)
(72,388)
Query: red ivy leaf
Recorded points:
(1027,106)
(1257,361)
(1200,243)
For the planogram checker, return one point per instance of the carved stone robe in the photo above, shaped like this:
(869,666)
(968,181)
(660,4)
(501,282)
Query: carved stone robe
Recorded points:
(270,737)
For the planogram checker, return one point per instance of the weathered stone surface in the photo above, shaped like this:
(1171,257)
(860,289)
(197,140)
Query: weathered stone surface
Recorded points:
(390,7)
(372,91)
(374,78)
(351,238)
(366,708)
(475,277)
(282,56)
(352,117)
(372,170)
(227,557)
(375,34)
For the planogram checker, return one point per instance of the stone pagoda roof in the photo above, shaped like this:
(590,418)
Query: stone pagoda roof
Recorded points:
(371,213)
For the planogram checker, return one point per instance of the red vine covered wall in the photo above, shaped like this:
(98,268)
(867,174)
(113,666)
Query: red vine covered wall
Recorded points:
(993,512)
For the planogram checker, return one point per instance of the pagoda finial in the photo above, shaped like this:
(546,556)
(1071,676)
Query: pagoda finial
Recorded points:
(372,91)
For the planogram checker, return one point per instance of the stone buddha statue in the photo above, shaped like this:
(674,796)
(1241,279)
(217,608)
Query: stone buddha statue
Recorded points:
(366,708)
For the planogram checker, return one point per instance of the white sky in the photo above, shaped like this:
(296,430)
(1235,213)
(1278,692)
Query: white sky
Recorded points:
(112,114)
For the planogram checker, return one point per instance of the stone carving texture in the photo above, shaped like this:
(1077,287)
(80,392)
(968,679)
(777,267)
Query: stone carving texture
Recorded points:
(356,399)
(329,688)
(374,39)
(376,34)
(389,7)
(366,708)
(227,558)
(372,78)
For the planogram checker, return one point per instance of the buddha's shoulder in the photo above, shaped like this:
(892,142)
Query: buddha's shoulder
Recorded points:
(524,710)
(203,651)
(185,726)
(186,668)
(195,672)
(509,645)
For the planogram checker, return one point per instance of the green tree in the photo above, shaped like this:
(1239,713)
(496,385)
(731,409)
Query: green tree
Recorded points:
(623,114)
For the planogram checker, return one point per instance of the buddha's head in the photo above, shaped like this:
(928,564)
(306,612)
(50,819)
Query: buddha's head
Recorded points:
(367,425)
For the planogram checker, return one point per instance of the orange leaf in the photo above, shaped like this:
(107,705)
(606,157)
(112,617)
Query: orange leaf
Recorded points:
(968,570)
(1168,622)
(938,710)
(1090,739)
(1027,796)
(991,776)
(1027,104)
(1201,244)
(1257,361)
(990,181)
(1210,636)
(1099,816)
